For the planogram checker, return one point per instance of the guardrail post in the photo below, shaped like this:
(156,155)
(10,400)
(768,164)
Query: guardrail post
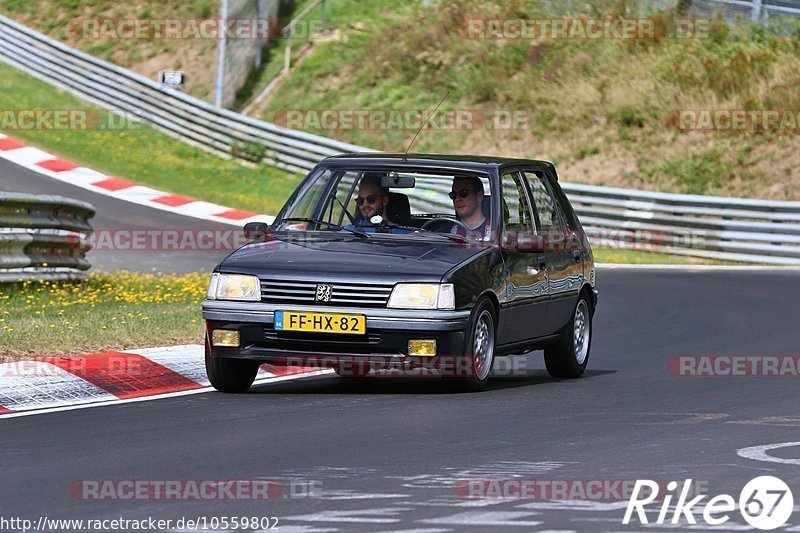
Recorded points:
(756,15)
(262,15)
(221,51)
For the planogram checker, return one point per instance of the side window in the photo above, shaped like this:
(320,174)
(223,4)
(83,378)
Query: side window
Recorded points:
(516,210)
(564,207)
(548,211)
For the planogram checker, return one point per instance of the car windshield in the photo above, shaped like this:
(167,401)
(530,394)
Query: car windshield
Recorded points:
(402,203)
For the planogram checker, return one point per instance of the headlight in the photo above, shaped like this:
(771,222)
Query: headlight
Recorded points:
(422,296)
(234,287)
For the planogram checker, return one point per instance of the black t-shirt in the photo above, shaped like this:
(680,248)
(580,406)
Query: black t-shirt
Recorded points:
(480,233)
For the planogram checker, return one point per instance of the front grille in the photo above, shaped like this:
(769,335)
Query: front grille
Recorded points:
(316,343)
(329,338)
(342,294)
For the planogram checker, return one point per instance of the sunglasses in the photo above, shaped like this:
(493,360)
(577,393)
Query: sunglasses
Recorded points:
(463,193)
(371,199)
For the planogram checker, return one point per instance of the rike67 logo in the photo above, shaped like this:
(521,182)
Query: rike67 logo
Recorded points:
(765,503)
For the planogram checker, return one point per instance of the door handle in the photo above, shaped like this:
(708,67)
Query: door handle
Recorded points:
(576,255)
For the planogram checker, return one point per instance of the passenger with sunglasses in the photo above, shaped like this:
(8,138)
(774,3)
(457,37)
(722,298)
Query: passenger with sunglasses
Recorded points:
(467,196)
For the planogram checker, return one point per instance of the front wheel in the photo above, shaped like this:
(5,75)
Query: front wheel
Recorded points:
(479,347)
(230,375)
(568,357)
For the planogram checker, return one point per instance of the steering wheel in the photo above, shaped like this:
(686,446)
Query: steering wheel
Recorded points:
(441,220)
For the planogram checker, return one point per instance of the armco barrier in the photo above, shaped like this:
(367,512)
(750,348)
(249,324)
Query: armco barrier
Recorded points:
(182,116)
(755,10)
(43,237)
(722,228)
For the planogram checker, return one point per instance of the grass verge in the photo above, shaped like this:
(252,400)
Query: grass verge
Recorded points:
(145,155)
(604,110)
(107,311)
(638,257)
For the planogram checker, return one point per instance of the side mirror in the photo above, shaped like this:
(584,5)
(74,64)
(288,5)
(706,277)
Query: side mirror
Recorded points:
(256,231)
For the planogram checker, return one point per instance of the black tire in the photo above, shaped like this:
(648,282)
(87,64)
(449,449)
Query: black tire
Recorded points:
(568,357)
(230,375)
(481,331)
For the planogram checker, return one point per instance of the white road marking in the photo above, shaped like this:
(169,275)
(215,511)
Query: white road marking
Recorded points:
(498,470)
(429,530)
(366,516)
(574,506)
(296,529)
(46,385)
(353,495)
(83,177)
(486,518)
(781,421)
(28,157)
(86,178)
(267,381)
(187,360)
(759,453)
(440,502)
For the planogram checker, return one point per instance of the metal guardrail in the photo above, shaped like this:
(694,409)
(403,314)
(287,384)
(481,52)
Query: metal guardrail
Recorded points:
(43,237)
(722,228)
(756,10)
(735,229)
(182,116)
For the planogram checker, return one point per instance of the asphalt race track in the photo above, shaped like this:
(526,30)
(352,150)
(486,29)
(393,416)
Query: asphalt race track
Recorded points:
(115,215)
(387,454)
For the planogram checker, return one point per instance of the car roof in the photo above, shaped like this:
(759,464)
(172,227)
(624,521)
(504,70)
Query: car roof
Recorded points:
(476,162)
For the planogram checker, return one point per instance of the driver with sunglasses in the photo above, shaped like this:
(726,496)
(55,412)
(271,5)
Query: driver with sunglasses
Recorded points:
(467,196)
(372,200)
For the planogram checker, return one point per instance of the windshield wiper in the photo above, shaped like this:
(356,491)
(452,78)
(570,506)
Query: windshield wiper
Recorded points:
(331,224)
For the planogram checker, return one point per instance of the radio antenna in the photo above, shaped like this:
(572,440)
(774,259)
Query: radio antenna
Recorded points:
(405,155)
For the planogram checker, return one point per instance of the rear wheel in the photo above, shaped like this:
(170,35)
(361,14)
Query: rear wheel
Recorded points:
(568,357)
(230,375)
(479,347)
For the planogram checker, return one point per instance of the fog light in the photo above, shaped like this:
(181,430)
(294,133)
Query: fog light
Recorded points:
(422,348)
(225,337)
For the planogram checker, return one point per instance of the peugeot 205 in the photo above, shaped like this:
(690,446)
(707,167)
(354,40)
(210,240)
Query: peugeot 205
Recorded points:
(407,261)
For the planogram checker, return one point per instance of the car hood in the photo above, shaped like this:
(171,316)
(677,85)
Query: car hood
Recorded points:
(347,256)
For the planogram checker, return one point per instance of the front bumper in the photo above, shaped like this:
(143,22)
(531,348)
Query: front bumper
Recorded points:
(385,342)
